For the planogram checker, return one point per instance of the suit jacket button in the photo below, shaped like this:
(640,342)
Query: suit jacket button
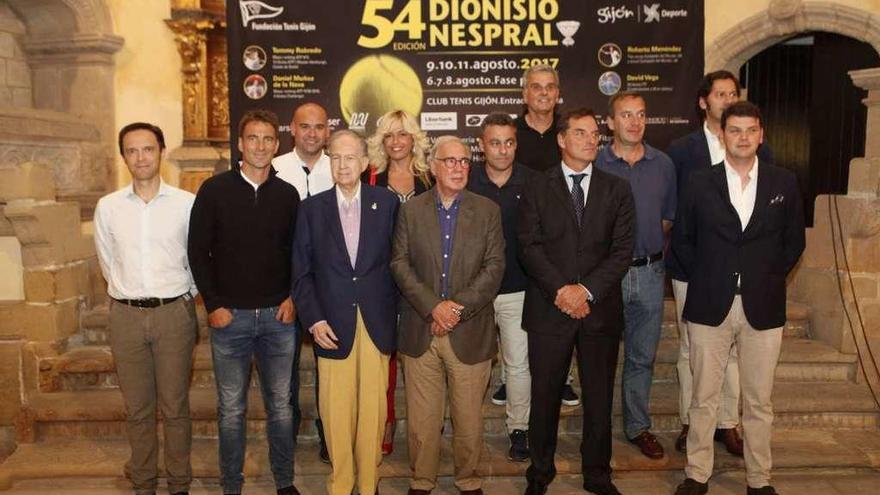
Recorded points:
(354,279)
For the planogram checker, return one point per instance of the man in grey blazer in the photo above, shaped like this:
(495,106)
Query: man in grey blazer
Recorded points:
(448,261)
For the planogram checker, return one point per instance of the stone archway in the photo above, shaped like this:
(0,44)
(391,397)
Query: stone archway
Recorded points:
(781,20)
(68,46)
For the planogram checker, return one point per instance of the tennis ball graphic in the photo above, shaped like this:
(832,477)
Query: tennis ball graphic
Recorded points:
(375,85)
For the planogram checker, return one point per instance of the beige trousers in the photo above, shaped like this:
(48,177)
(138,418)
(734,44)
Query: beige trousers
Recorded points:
(728,409)
(153,351)
(758,355)
(426,377)
(353,408)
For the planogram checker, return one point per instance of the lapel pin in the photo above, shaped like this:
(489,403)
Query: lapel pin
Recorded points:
(374,206)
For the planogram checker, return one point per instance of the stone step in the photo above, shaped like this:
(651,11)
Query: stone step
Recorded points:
(94,322)
(793,451)
(101,413)
(92,367)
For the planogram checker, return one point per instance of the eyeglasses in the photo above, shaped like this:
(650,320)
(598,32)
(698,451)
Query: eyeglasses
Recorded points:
(450,162)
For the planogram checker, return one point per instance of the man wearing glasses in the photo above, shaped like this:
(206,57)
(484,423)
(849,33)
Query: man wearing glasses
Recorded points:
(651,175)
(448,261)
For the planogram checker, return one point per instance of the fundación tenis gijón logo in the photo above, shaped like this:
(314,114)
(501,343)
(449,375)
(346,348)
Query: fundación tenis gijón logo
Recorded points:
(255,9)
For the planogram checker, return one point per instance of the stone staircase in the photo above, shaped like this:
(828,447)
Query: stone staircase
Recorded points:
(72,421)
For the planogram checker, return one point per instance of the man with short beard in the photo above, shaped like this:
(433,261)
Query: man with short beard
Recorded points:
(503,181)
(241,233)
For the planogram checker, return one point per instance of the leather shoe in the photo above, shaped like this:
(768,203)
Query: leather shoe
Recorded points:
(478,491)
(601,488)
(681,443)
(764,490)
(648,444)
(290,490)
(416,491)
(691,486)
(535,488)
(731,440)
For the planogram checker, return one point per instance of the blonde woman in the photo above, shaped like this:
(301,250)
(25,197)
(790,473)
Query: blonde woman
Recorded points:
(397,154)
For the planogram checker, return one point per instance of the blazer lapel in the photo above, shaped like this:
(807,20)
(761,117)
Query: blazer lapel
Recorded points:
(432,224)
(701,146)
(367,217)
(762,199)
(595,198)
(331,216)
(719,179)
(560,188)
(463,228)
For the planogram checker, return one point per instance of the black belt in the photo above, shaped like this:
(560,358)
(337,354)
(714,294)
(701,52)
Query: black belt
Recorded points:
(148,302)
(647,260)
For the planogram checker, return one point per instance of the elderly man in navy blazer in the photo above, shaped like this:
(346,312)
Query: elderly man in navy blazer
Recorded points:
(347,298)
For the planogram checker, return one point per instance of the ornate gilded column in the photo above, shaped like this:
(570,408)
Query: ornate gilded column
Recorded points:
(199,29)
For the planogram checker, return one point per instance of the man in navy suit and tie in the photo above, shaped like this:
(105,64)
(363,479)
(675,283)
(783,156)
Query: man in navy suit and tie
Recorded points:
(700,150)
(347,299)
(738,233)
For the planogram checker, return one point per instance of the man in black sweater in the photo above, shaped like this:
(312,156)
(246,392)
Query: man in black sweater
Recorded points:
(240,238)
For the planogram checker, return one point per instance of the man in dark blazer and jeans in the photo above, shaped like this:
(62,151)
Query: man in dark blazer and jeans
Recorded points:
(739,231)
(576,234)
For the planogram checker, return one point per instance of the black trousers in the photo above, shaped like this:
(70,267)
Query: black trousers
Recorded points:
(549,363)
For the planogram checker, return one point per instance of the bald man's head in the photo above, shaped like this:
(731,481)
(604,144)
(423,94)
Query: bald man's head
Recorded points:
(309,130)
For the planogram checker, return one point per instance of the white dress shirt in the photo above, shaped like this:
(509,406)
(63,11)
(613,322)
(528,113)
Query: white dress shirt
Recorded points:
(585,182)
(142,246)
(743,200)
(290,169)
(717,152)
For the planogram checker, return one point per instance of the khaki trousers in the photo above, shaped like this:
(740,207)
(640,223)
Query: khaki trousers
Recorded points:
(426,377)
(758,355)
(153,351)
(728,409)
(353,408)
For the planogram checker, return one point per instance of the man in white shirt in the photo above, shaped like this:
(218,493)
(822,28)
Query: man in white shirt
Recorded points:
(739,232)
(307,166)
(141,239)
(697,151)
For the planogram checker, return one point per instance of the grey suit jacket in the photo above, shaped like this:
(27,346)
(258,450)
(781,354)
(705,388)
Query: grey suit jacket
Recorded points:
(476,271)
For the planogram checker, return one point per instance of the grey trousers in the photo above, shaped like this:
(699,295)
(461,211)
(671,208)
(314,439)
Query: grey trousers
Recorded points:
(153,351)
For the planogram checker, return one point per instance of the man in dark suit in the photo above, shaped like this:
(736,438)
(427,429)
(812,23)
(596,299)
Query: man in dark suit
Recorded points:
(347,300)
(576,236)
(739,231)
(700,150)
(448,261)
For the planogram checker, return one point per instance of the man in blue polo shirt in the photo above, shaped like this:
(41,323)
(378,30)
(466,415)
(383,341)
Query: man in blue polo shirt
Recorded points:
(651,175)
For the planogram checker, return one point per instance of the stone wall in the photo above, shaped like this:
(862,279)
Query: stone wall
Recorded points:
(61,275)
(839,275)
(15,74)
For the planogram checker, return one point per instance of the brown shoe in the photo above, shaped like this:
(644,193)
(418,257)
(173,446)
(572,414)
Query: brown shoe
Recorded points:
(731,440)
(648,444)
(681,443)
(416,491)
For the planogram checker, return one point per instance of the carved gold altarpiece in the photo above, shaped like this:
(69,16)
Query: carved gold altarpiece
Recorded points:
(199,27)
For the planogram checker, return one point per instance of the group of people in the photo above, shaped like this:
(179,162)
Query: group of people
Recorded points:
(552,245)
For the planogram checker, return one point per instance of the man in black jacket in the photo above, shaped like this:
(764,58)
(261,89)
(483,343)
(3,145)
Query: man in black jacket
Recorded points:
(576,234)
(240,237)
(739,231)
(700,150)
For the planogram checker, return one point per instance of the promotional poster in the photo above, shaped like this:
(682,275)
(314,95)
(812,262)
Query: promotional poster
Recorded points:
(451,62)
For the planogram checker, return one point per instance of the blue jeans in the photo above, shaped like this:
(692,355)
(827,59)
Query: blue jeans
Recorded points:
(254,332)
(642,288)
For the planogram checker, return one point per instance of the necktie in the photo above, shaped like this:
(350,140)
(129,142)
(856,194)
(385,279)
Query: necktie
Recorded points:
(577,195)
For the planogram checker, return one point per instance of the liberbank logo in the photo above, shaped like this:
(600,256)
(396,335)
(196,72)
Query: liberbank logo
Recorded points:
(254,9)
